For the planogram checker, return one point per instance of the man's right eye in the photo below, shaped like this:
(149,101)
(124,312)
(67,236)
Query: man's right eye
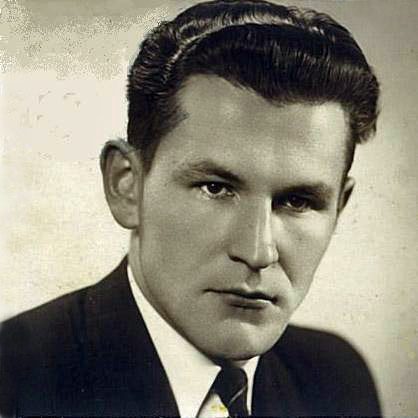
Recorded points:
(215,190)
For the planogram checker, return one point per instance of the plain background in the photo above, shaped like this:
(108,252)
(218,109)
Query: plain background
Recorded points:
(63,72)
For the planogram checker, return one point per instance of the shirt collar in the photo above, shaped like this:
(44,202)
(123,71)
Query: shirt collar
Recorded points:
(189,371)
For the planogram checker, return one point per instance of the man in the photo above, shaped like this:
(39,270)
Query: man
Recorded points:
(243,120)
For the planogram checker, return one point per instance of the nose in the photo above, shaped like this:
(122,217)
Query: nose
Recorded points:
(252,239)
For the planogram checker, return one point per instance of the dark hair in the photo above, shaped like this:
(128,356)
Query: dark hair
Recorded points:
(285,54)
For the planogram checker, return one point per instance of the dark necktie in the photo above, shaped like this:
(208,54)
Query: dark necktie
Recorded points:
(231,385)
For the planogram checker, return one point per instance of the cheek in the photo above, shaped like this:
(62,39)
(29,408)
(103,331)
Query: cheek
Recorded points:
(179,231)
(302,248)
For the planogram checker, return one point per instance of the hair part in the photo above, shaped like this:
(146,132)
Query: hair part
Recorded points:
(285,54)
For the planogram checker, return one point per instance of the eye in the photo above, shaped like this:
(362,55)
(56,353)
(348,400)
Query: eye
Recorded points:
(295,203)
(215,190)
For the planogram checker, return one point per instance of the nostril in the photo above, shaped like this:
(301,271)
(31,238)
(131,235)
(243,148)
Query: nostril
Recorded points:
(235,258)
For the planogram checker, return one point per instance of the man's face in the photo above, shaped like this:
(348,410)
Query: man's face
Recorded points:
(236,213)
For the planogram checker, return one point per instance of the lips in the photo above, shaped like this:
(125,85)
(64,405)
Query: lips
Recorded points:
(247,299)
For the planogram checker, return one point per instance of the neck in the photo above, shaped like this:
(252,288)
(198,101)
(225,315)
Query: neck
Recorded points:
(133,256)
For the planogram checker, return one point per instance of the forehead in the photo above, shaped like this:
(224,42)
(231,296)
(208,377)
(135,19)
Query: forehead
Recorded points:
(237,127)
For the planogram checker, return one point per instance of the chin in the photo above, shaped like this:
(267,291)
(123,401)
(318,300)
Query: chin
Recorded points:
(239,346)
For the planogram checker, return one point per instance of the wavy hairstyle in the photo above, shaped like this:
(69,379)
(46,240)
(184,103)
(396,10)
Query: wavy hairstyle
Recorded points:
(285,54)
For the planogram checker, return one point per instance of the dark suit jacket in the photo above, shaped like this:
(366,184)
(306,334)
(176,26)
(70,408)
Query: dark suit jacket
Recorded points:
(89,354)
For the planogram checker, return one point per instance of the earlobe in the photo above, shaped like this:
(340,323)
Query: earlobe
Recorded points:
(345,194)
(122,177)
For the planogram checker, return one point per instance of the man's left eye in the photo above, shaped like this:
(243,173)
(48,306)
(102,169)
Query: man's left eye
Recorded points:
(296,203)
(215,190)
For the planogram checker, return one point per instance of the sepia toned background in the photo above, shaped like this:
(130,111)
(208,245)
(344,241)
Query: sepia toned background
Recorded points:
(62,95)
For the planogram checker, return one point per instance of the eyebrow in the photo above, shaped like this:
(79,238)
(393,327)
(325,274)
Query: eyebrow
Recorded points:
(319,190)
(197,169)
(201,168)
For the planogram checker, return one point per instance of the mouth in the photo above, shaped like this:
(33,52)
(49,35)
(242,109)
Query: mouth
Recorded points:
(247,299)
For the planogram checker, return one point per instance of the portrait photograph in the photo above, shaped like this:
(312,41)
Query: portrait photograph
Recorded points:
(208,208)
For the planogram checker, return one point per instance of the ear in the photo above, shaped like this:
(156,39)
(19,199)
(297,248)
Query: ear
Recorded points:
(345,193)
(122,181)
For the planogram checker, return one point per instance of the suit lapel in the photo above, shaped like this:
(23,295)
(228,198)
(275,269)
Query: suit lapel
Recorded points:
(275,393)
(125,369)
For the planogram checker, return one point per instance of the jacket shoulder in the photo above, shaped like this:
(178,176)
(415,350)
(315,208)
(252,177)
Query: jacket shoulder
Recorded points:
(50,325)
(64,314)
(334,376)
(46,347)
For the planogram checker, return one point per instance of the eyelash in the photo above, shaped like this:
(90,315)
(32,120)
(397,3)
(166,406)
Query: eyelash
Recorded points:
(283,202)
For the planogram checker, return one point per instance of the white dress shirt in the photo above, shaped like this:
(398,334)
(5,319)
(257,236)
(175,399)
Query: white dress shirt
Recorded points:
(189,371)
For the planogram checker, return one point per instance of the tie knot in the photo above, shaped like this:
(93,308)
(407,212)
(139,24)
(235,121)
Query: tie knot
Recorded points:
(231,386)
